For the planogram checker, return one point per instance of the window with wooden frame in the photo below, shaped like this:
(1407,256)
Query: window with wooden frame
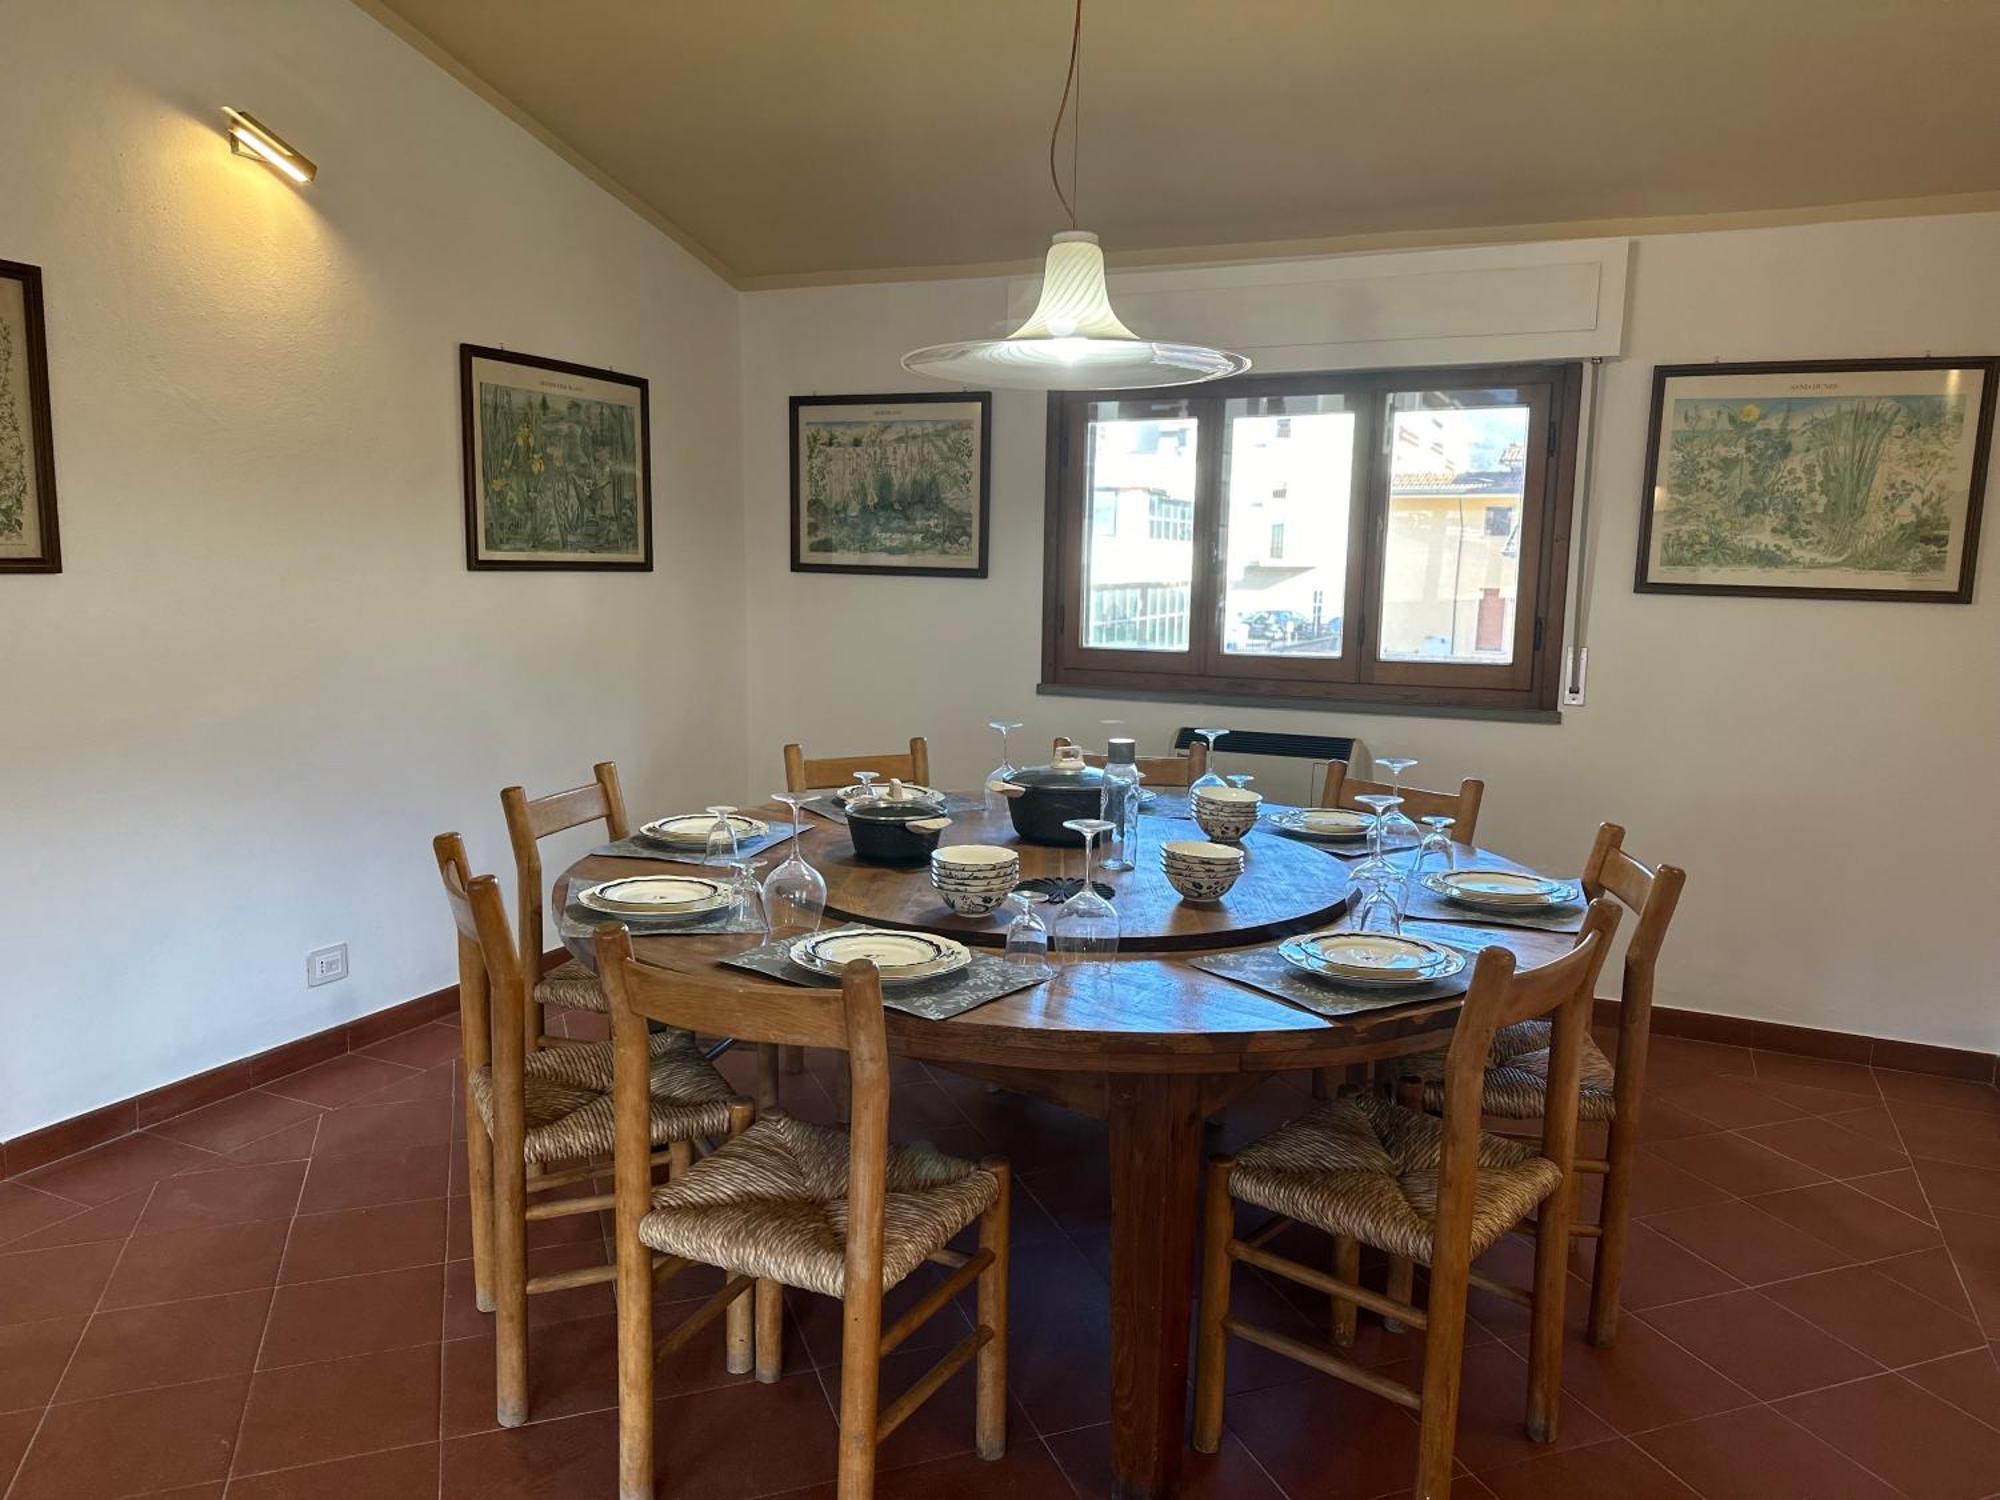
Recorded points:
(1395,536)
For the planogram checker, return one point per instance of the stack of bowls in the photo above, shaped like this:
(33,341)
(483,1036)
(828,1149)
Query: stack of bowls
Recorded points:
(974,878)
(1226,813)
(1200,872)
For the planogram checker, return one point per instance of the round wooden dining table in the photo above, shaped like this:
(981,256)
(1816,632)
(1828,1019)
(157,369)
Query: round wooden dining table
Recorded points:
(1154,1049)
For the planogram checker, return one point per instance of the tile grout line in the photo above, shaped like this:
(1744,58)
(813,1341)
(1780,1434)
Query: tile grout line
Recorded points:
(48,1405)
(243,1417)
(1950,1256)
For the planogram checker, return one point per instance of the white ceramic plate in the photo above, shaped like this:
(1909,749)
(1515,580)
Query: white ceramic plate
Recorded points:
(901,956)
(660,895)
(1499,889)
(1372,960)
(692,828)
(1333,824)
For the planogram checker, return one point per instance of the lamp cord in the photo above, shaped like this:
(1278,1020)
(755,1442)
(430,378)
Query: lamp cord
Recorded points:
(1072,85)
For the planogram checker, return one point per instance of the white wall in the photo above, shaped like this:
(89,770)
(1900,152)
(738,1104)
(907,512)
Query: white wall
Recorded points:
(1804,760)
(265,679)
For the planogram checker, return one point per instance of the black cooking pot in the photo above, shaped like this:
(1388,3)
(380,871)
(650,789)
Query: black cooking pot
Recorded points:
(890,832)
(1042,798)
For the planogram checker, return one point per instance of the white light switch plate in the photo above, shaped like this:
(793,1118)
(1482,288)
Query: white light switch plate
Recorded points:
(326,965)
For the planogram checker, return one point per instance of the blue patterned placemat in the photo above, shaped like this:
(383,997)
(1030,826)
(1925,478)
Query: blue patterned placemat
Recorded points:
(638,846)
(987,977)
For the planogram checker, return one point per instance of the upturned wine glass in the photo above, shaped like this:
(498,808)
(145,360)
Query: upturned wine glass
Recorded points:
(1380,804)
(867,782)
(1086,924)
(1437,843)
(794,892)
(721,845)
(1382,891)
(746,897)
(1005,770)
(1208,777)
(1400,827)
(1027,934)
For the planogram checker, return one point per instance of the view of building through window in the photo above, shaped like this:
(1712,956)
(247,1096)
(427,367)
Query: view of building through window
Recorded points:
(1288,477)
(1451,563)
(1139,564)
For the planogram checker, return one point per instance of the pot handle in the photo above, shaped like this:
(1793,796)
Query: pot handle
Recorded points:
(929,825)
(1008,789)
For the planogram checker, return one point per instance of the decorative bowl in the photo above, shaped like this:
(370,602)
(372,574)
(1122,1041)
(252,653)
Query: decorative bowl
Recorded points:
(1200,871)
(1226,813)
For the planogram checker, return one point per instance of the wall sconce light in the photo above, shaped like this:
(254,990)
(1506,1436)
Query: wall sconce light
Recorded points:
(249,136)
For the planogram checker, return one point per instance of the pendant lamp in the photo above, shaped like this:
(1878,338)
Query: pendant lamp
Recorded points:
(1073,341)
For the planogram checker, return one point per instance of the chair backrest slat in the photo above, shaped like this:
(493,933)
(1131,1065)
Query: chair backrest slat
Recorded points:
(529,821)
(489,979)
(1159,770)
(1340,789)
(1499,996)
(803,775)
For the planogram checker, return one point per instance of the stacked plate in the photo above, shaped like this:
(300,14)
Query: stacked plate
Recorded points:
(1199,871)
(974,878)
(690,830)
(901,957)
(1333,825)
(1372,960)
(1225,813)
(656,896)
(1502,890)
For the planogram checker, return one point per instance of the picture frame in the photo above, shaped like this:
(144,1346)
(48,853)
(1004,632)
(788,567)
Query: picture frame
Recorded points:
(1817,479)
(892,484)
(558,464)
(30,540)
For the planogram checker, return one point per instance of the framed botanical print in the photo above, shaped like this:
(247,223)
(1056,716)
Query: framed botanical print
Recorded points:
(558,468)
(1819,479)
(28,539)
(891,484)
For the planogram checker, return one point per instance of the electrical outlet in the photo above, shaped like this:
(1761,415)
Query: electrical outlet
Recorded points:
(1576,666)
(326,965)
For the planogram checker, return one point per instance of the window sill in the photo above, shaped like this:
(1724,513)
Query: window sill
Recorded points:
(1313,705)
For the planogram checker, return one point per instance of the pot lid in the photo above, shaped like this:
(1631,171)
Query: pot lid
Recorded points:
(882,810)
(1068,769)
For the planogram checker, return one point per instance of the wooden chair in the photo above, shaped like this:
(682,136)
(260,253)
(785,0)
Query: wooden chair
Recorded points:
(1340,790)
(786,1203)
(1517,1069)
(1160,770)
(537,1121)
(802,775)
(569,985)
(1365,1169)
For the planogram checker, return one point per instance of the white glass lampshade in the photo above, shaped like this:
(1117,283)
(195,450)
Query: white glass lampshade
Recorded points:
(1073,341)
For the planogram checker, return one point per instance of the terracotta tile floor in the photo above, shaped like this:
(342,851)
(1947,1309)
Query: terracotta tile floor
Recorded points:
(270,1298)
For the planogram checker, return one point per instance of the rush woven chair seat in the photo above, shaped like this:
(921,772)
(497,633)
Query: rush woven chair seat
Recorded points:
(1432,1190)
(1366,1168)
(773,1203)
(571,986)
(566,1098)
(785,1203)
(1517,1068)
(537,1121)
(1517,1075)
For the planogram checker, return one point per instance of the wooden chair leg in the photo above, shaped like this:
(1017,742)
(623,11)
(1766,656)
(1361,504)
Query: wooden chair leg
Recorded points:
(1614,1215)
(635,1368)
(510,1289)
(768,1066)
(1545,1332)
(770,1297)
(860,1392)
(479,1183)
(1444,1357)
(1211,1358)
(1402,1278)
(680,1156)
(990,1421)
(1347,1266)
(843,1102)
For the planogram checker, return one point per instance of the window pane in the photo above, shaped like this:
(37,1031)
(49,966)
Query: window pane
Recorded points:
(1451,563)
(1288,477)
(1138,561)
